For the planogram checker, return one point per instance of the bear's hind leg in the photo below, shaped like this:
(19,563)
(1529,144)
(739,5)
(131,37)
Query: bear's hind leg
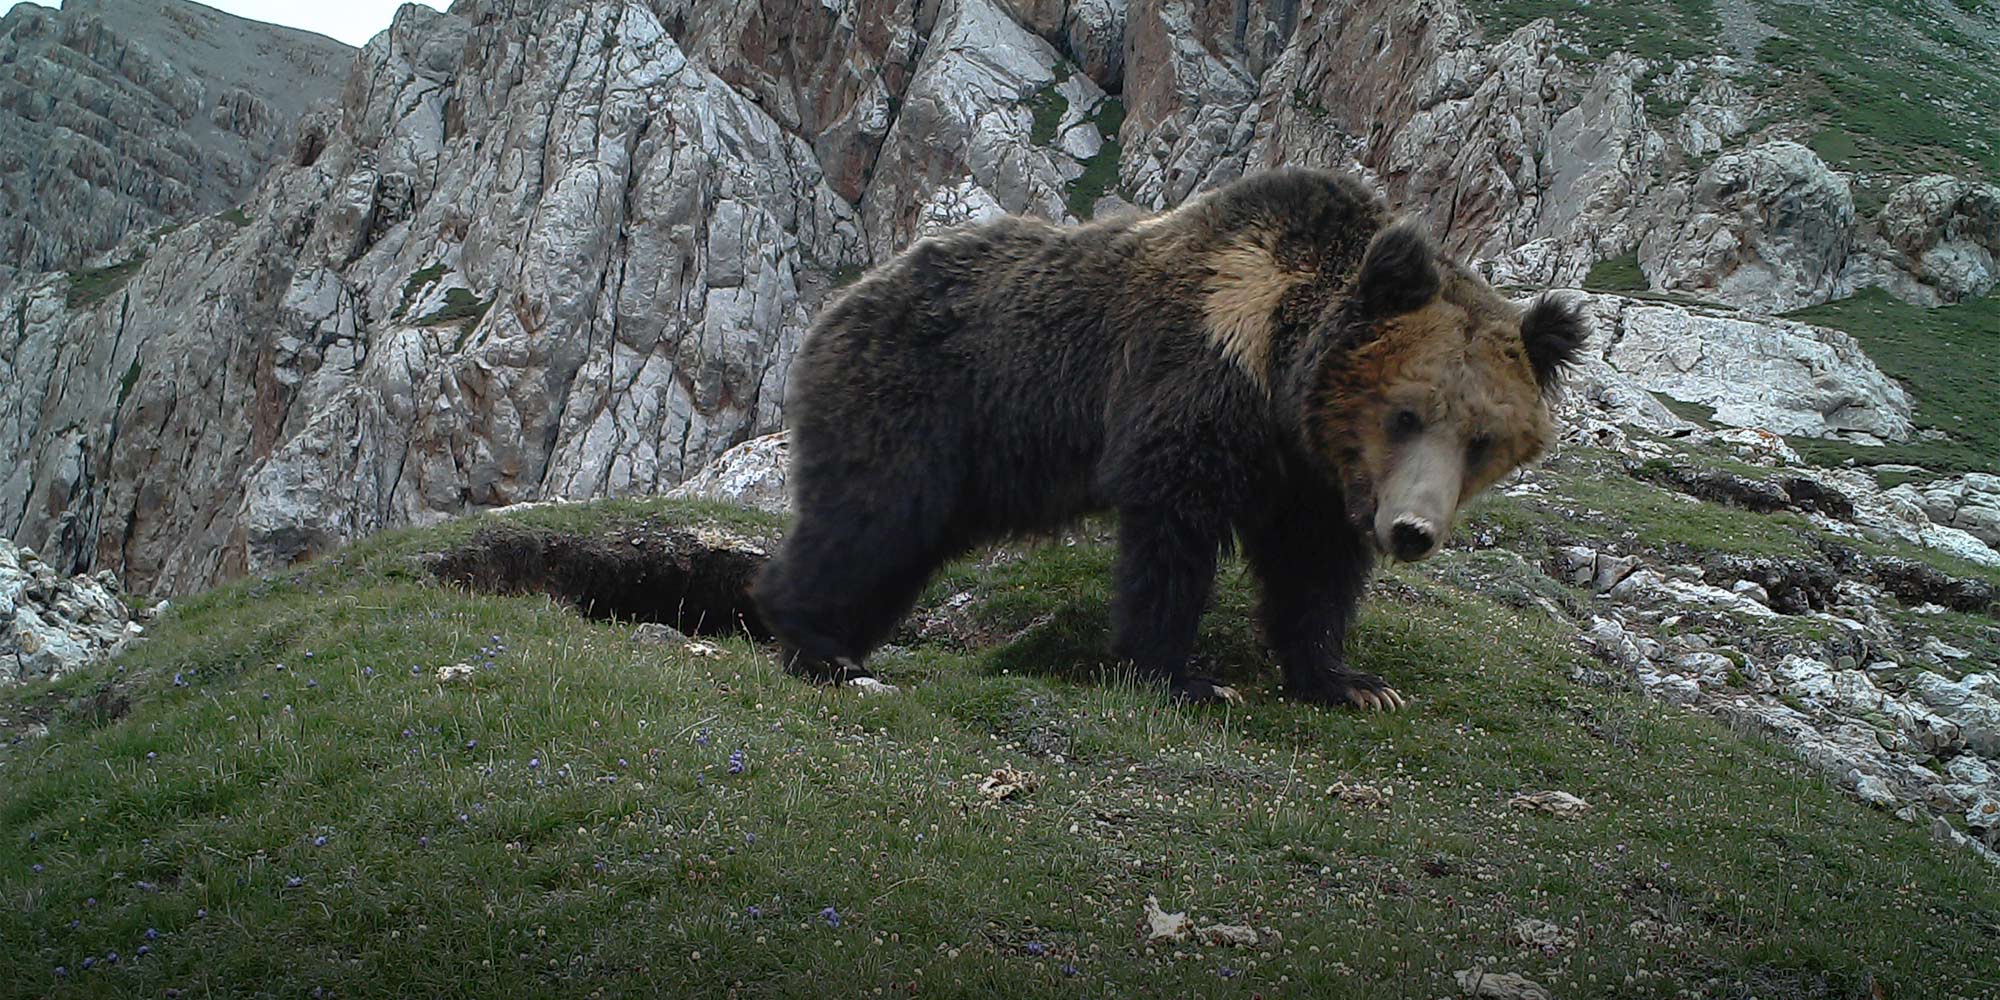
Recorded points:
(1166,568)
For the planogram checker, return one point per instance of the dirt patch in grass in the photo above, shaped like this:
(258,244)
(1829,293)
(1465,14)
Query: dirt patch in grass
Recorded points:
(695,580)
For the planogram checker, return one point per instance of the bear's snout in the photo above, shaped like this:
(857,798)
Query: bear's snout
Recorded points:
(1412,538)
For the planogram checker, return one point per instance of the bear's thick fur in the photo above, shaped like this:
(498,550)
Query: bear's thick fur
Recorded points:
(1276,358)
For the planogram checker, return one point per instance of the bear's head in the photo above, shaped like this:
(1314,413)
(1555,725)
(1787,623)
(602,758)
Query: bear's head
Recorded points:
(1440,389)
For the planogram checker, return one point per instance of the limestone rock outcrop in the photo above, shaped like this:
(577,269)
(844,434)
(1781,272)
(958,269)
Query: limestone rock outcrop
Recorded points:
(120,115)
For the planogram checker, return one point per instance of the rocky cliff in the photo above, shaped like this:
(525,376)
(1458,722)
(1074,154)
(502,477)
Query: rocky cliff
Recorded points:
(567,249)
(118,115)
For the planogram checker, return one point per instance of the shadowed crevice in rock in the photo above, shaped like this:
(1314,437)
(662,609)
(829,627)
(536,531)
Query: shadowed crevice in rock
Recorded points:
(695,580)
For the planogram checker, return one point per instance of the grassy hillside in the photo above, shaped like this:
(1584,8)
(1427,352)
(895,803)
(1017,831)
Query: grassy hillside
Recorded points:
(275,795)
(1912,93)
(1949,360)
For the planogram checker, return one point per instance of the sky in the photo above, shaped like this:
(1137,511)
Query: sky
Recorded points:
(351,21)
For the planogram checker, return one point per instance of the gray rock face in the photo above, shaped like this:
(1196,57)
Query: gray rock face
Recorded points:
(545,250)
(1778,375)
(1935,241)
(992,122)
(1768,228)
(832,73)
(1090,32)
(50,623)
(1969,503)
(543,255)
(1952,515)
(117,115)
(1513,155)
(752,474)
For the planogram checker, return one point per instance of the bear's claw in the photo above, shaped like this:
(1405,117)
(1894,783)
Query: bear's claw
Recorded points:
(1385,700)
(1357,690)
(835,672)
(1205,691)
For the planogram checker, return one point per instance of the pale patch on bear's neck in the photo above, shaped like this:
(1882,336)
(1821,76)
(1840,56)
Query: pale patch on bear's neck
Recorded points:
(1244,288)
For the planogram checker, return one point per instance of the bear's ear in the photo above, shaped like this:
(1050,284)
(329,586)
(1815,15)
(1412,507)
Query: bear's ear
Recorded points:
(1399,272)
(1553,332)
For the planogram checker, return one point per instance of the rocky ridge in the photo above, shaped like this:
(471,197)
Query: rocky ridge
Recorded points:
(118,115)
(566,250)
(51,624)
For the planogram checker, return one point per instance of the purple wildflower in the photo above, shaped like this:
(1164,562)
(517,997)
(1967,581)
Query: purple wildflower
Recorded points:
(152,755)
(1036,948)
(293,882)
(534,762)
(111,958)
(61,973)
(179,681)
(471,744)
(367,671)
(831,916)
(201,914)
(423,841)
(89,961)
(755,912)
(143,951)
(312,683)
(749,838)
(702,738)
(319,841)
(1068,970)
(1226,972)
(736,762)
(36,868)
(152,934)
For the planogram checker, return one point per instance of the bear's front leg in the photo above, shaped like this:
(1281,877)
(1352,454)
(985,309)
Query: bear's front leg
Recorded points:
(1312,567)
(1166,567)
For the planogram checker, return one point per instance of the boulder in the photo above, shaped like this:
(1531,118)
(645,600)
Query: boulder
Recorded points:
(752,475)
(1754,371)
(52,623)
(1935,241)
(1768,229)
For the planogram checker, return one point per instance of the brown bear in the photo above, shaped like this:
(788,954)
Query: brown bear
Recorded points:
(1278,358)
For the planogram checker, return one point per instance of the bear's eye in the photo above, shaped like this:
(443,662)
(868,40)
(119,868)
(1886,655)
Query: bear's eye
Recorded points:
(1405,423)
(1477,449)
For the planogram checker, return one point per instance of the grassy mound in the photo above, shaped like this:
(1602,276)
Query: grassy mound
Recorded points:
(277,795)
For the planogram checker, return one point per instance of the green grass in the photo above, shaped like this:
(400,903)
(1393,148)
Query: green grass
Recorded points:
(1047,106)
(1100,172)
(1947,358)
(1599,500)
(566,821)
(1618,274)
(846,274)
(1910,94)
(419,280)
(126,382)
(90,287)
(460,306)
(1674,30)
